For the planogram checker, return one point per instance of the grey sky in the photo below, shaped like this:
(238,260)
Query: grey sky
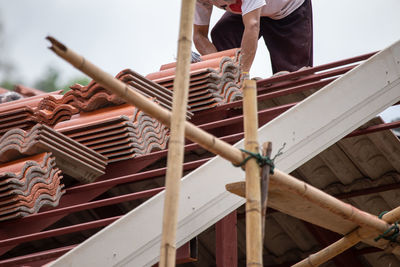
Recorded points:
(142,35)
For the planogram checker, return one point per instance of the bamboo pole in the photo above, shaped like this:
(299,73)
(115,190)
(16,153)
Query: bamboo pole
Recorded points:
(278,181)
(253,192)
(177,136)
(344,243)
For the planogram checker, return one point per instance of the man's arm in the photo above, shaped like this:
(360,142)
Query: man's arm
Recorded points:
(201,41)
(251,32)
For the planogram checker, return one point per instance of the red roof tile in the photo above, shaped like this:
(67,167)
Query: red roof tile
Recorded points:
(214,81)
(28,184)
(118,133)
(27,91)
(72,157)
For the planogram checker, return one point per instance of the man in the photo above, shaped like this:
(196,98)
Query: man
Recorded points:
(285,25)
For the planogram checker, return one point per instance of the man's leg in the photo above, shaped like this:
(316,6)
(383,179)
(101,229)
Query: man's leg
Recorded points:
(290,40)
(227,32)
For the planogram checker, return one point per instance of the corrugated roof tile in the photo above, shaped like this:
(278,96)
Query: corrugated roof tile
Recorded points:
(117,131)
(28,184)
(214,81)
(72,157)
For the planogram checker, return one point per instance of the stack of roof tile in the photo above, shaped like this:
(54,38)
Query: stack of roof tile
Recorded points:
(72,158)
(94,96)
(83,98)
(148,88)
(50,113)
(213,81)
(118,133)
(100,120)
(24,113)
(28,184)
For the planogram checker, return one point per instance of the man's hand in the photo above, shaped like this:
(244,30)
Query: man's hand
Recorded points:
(251,23)
(201,41)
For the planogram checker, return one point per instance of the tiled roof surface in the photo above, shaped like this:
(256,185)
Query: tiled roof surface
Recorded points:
(362,170)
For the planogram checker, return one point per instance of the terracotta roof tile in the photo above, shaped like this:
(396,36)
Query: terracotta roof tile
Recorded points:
(90,120)
(31,102)
(214,81)
(225,53)
(27,91)
(41,201)
(87,98)
(59,113)
(72,158)
(28,184)
(3,90)
(24,113)
(214,61)
(22,118)
(93,96)
(27,198)
(118,133)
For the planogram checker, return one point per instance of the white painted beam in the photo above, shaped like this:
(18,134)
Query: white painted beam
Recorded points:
(307,129)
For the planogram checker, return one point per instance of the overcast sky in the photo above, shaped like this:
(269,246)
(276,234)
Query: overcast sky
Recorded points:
(142,35)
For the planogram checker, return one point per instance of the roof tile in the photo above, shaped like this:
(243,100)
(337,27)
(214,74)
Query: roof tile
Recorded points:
(28,184)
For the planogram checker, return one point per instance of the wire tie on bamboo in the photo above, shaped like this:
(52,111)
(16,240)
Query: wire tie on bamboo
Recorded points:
(261,160)
(394,229)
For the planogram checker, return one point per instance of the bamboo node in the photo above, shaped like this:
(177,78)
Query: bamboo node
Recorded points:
(258,210)
(168,246)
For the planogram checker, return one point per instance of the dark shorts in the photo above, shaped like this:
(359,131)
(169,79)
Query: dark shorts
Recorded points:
(289,40)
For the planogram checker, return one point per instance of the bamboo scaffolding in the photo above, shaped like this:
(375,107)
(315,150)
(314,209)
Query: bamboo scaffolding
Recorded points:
(253,193)
(344,243)
(177,137)
(279,181)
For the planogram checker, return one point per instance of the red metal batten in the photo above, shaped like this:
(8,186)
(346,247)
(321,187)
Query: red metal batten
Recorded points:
(314,69)
(33,258)
(58,231)
(375,128)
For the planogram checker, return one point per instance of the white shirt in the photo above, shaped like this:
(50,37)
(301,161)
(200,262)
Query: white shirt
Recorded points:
(274,9)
